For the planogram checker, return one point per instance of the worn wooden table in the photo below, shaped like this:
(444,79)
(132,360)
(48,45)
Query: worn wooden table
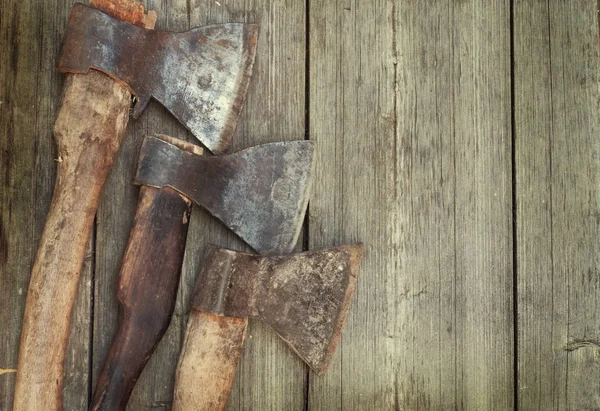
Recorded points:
(459,140)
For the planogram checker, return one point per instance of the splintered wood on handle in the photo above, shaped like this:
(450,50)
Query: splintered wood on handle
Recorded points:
(88,132)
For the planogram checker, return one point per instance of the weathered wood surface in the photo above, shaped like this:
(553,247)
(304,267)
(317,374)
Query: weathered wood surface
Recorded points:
(410,106)
(30,90)
(412,122)
(557,152)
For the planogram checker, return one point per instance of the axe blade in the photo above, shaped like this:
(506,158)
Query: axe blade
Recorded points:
(304,297)
(200,76)
(260,193)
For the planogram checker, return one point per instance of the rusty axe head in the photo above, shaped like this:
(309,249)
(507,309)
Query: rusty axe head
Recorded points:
(304,297)
(200,76)
(260,193)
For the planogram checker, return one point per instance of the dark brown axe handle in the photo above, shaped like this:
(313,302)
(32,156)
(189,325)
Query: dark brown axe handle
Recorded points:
(88,131)
(147,288)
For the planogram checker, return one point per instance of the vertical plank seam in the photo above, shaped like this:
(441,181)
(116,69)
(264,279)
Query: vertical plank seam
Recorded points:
(395,91)
(395,151)
(37,89)
(240,392)
(305,239)
(514,209)
(563,71)
(339,80)
(91,322)
(550,174)
(439,234)
(411,224)
(455,317)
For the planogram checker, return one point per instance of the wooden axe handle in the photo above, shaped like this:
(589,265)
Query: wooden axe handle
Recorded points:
(89,128)
(88,131)
(208,361)
(147,288)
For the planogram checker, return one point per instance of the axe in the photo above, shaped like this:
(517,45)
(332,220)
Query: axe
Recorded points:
(304,297)
(198,75)
(260,193)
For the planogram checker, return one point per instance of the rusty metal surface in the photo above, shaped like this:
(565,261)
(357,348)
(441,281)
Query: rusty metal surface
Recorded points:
(304,297)
(200,76)
(260,193)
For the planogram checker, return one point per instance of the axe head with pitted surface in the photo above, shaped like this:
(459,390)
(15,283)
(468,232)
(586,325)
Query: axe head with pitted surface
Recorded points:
(260,193)
(200,75)
(303,297)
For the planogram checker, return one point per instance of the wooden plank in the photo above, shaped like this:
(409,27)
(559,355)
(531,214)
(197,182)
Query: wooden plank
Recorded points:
(483,205)
(270,375)
(77,380)
(30,35)
(558,204)
(18,224)
(351,100)
(410,109)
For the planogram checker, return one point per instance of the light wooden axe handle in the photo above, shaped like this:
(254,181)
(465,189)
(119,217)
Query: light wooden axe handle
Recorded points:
(147,288)
(88,131)
(208,361)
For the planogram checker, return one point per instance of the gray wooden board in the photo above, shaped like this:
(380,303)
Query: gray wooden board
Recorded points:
(19,225)
(30,34)
(483,204)
(557,152)
(409,104)
(410,109)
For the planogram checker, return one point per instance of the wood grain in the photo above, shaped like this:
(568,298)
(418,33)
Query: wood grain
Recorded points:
(76,374)
(558,204)
(26,170)
(208,361)
(88,130)
(33,30)
(410,109)
(483,205)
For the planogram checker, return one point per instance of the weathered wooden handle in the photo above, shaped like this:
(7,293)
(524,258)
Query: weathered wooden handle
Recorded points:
(208,361)
(88,131)
(147,291)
